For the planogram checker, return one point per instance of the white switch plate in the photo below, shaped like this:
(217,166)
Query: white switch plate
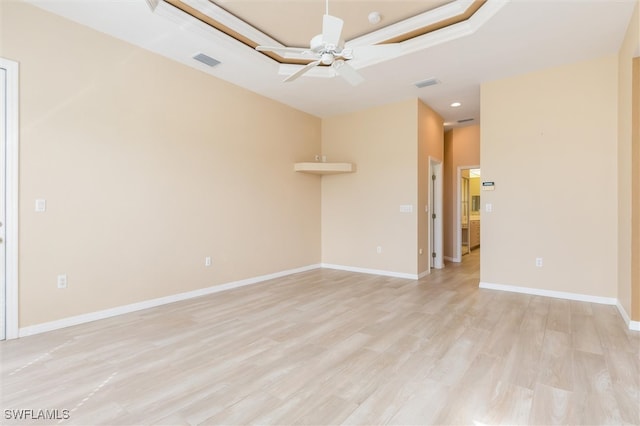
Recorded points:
(539,262)
(488,207)
(406,208)
(41,205)
(207,261)
(62,281)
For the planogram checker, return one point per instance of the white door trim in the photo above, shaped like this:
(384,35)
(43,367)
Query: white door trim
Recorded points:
(12,199)
(457,220)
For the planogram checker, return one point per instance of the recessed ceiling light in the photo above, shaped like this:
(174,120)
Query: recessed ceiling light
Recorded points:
(456,105)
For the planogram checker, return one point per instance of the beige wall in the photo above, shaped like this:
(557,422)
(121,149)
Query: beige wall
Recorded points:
(361,211)
(624,170)
(548,141)
(147,167)
(461,148)
(430,145)
(628,215)
(391,146)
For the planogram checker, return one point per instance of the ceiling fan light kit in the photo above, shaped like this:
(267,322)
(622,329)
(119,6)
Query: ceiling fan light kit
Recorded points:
(327,49)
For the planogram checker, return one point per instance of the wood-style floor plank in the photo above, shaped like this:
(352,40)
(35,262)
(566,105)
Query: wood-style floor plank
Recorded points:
(329,347)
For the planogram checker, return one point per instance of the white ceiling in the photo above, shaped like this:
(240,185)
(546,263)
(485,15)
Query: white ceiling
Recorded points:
(504,38)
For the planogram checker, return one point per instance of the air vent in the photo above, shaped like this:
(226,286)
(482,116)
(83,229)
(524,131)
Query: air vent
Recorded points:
(207,60)
(465,120)
(428,82)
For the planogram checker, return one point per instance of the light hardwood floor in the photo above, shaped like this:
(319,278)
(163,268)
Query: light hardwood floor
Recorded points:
(334,347)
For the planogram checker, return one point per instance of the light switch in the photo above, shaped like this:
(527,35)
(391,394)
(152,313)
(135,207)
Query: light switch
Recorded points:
(41,205)
(488,207)
(406,208)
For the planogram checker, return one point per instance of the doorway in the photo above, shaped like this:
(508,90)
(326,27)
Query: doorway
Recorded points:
(435,218)
(467,220)
(8,199)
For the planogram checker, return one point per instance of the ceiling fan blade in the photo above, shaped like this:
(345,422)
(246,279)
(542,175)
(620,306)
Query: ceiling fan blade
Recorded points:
(302,71)
(278,49)
(347,72)
(375,51)
(331,29)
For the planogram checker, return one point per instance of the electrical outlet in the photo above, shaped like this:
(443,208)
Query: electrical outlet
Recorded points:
(62,281)
(538,262)
(207,261)
(41,205)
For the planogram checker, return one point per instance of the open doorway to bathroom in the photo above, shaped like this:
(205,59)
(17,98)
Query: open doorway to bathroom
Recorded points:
(468,216)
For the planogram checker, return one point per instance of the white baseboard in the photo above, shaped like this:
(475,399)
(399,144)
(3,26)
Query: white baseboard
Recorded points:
(633,325)
(370,271)
(108,313)
(424,274)
(453,259)
(120,310)
(550,293)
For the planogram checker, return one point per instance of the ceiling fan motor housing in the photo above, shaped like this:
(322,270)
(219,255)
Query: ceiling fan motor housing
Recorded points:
(316,43)
(319,45)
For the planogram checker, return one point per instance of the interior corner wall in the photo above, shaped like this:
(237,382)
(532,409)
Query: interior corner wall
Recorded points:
(430,145)
(627,206)
(361,210)
(461,148)
(147,167)
(548,141)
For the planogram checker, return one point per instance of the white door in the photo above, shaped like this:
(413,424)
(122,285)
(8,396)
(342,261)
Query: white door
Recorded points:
(8,199)
(435,207)
(3,144)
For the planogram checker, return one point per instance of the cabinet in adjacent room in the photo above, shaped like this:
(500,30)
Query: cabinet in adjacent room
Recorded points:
(474,231)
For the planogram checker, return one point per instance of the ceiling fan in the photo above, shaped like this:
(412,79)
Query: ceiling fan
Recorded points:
(328,49)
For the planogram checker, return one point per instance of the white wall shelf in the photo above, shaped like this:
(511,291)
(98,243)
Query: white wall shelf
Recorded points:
(324,168)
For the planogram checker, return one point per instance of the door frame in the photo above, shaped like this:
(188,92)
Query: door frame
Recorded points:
(457,220)
(436,240)
(11,197)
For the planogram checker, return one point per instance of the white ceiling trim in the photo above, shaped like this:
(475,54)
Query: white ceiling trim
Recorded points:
(518,36)
(430,17)
(446,34)
(209,35)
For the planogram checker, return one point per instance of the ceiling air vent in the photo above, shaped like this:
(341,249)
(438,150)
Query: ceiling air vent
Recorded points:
(428,82)
(207,60)
(465,120)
